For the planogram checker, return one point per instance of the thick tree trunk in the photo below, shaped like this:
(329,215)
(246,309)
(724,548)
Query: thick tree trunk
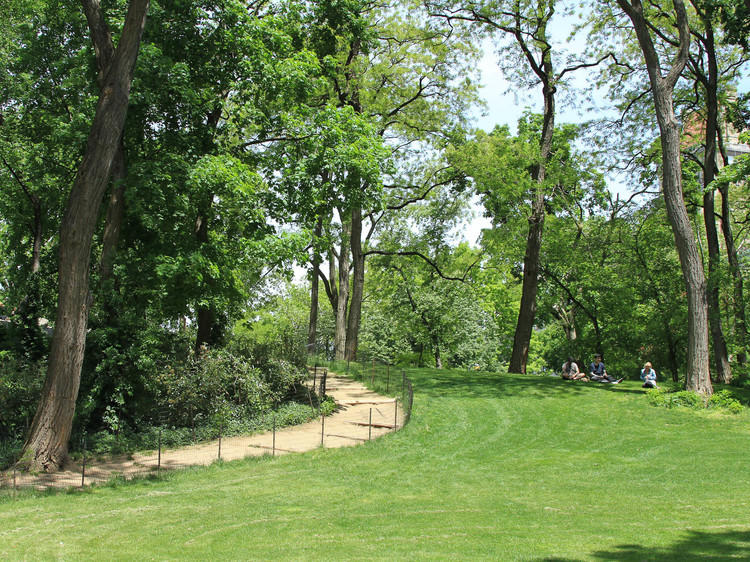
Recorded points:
(698,376)
(358,286)
(46,447)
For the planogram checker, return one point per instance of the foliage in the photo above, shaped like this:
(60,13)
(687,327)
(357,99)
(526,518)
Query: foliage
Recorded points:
(202,387)
(20,386)
(148,437)
(723,400)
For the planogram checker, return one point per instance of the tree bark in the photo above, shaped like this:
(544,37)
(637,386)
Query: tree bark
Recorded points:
(698,376)
(734,266)
(358,286)
(343,292)
(737,280)
(710,85)
(115,215)
(46,447)
(530,284)
(101,38)
(312,330)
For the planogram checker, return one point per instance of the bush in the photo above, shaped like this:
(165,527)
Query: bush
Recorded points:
(20,387)
(722,400)
(726,401)
(148,438)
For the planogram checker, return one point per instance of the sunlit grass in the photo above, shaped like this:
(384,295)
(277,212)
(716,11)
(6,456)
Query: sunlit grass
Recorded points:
(491,466)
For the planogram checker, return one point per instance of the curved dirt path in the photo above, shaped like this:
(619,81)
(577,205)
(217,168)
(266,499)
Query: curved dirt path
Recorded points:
(348,425)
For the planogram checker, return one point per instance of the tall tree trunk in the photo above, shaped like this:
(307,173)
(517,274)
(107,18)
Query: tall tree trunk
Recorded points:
(698,376)
(710,85)
(527,312)
(358,286)
(206,314)
(436,352)
(734,266)
(115,214)
(104,48)
(46,447)
(312,330)
(671,350)
(737,281)
(721,358)
(36,210)
(343,291)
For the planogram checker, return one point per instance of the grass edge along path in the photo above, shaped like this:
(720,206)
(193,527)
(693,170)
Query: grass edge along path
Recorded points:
(499,467)
(360,415)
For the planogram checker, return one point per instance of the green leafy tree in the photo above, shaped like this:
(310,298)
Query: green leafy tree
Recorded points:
(47,443)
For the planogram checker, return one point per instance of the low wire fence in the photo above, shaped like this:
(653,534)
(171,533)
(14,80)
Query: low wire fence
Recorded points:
(381,377)
(380,404)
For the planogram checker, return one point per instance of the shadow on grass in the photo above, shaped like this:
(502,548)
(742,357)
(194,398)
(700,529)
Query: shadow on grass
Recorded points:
(696,545)
(495,385)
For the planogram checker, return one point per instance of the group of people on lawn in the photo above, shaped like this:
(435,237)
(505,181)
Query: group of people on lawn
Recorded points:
(597,372)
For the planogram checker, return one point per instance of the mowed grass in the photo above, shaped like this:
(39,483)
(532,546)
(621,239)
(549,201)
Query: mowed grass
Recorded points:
(491,467)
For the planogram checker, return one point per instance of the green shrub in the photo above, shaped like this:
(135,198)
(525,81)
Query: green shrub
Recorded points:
(20,387)
(149,437)
(725,400)
(721,400)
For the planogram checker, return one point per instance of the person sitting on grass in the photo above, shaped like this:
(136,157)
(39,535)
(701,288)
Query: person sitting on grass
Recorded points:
(598,373)
(570,371)
(648,376)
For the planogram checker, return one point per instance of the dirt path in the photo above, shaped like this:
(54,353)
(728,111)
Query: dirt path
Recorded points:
(349,425)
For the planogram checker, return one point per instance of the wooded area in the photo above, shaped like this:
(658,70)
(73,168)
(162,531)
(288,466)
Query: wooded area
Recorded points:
(167,167)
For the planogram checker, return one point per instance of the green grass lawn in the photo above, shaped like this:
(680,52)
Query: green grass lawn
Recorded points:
(491,467)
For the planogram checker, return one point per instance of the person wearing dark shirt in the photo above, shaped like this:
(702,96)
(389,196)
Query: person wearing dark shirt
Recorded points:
(598,373)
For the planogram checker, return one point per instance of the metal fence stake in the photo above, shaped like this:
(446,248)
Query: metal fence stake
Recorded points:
(83,463)
(369,428)
(322,427)
(273,448)
(158,458)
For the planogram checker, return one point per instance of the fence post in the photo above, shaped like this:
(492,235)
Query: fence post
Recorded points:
(83,463)
(158,458)
(273,448)
(15,490)
(220,431)
(322,426)
(369,428)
